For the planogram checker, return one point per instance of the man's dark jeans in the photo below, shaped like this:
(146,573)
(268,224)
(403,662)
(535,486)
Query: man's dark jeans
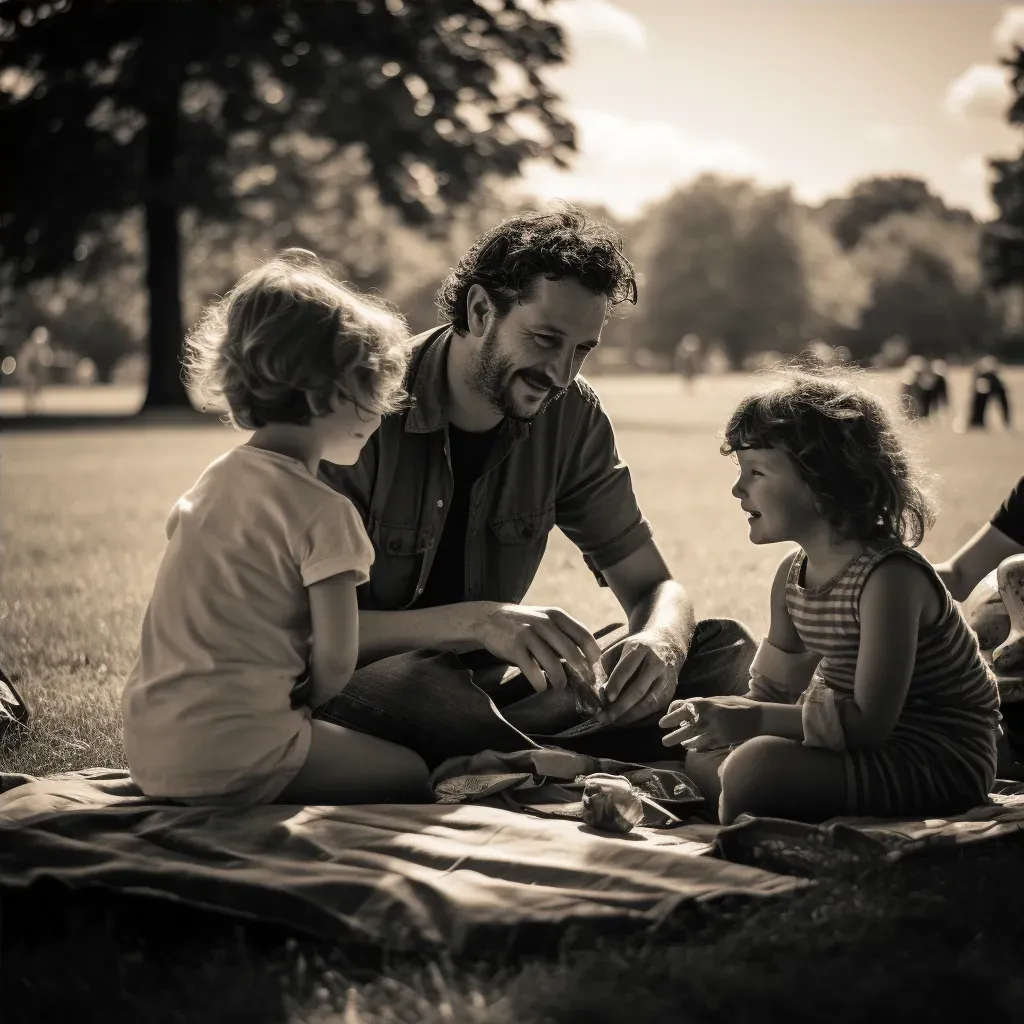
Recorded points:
(442,705)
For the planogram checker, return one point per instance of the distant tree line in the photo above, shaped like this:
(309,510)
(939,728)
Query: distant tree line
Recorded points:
(383,134)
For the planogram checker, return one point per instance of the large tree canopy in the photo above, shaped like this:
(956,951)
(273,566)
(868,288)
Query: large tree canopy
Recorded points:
(1003,243)
(721,260)
(873,200)
(116,104)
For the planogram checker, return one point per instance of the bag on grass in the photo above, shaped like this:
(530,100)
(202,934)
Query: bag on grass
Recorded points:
(13,709)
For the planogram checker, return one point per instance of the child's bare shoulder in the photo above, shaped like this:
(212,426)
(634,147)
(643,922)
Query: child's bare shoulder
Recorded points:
(902,578)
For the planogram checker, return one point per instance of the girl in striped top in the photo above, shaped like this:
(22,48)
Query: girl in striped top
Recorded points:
(869,695)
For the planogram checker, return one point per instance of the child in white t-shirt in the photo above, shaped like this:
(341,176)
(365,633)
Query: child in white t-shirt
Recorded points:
(257,586)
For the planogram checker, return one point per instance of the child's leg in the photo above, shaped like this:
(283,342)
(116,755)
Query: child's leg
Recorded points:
(344,766)
(781,778)
(702,768)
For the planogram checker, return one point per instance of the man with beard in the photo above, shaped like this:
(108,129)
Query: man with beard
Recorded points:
(502,441)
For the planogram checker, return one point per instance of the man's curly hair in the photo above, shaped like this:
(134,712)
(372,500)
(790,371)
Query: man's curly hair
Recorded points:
(289,339)
(844,442)
(508,260)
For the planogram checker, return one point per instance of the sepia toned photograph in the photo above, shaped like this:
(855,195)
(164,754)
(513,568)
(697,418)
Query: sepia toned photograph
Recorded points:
(511,511)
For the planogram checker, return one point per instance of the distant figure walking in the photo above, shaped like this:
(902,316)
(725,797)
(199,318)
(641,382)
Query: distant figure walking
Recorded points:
(986,386)
(912,392)
(936,393)
(687,359)
(34,359)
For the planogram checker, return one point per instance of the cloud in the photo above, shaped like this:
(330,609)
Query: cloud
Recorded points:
(977,176)
(1010,29)
(624,163)
(975,169)
(982,91)
(886,133)
(598,19)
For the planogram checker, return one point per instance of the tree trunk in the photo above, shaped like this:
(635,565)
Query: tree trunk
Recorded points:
(163,248)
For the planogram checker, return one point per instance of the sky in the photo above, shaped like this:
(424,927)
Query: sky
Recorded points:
(815,94)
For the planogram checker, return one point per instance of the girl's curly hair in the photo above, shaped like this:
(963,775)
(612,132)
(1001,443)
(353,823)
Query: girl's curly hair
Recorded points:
(508,259)
(845,445)
(289,339)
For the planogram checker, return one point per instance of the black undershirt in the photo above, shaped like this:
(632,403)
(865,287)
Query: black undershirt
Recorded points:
(446,582)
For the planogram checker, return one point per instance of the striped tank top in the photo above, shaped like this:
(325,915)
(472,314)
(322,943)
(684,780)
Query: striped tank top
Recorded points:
(940,757)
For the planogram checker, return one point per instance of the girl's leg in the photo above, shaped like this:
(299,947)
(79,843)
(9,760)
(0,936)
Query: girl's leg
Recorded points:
(781,778)
(344,766)
(703,768)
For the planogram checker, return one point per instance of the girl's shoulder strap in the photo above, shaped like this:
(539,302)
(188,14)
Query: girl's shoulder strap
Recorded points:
(880,550)
(796,565)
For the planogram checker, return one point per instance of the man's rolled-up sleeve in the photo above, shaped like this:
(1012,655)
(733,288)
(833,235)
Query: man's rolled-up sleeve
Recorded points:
(595,506)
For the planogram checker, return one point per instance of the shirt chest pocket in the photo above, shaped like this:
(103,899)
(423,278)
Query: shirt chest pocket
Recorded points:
(519,543)
(524,527)
(398,557)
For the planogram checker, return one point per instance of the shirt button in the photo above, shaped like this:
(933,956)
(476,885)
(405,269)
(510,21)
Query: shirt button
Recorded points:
(440,503)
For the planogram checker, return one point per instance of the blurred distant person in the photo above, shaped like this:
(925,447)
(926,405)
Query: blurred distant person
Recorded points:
(986,386)
(911,391)
(34,360)
(936,393)
(823,352)
(687,359)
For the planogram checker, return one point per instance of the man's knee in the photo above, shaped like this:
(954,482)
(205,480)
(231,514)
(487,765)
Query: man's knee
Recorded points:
(719,660)
(724,633)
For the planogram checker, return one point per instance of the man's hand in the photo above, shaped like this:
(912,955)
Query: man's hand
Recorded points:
(708,723)
(535,639)
(643,679)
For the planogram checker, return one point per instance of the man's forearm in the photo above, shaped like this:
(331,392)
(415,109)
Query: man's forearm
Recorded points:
(447,627)
(668,610)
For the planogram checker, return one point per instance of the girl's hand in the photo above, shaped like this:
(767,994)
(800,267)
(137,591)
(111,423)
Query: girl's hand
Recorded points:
(707,723)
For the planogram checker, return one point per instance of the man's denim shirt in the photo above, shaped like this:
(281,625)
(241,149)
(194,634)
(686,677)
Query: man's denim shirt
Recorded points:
(561,469)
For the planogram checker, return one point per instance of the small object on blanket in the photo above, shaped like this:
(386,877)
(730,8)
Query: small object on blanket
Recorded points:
(13,709)
(611,804)
(588,691)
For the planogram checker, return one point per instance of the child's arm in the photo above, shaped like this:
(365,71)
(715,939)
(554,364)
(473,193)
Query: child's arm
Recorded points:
(335,620)
(782,666)
(891,604)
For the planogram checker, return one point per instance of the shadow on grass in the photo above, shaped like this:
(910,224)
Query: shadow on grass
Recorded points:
(193,418)
(77,422)
(937,935)
(669,428)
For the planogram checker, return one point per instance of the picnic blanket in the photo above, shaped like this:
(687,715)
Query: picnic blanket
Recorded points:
(400,876)
(508,851)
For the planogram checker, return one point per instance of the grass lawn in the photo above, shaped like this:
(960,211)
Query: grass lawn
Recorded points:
(82,515)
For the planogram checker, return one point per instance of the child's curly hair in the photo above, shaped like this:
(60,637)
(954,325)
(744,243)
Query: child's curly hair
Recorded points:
(845,445)
(289,339)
